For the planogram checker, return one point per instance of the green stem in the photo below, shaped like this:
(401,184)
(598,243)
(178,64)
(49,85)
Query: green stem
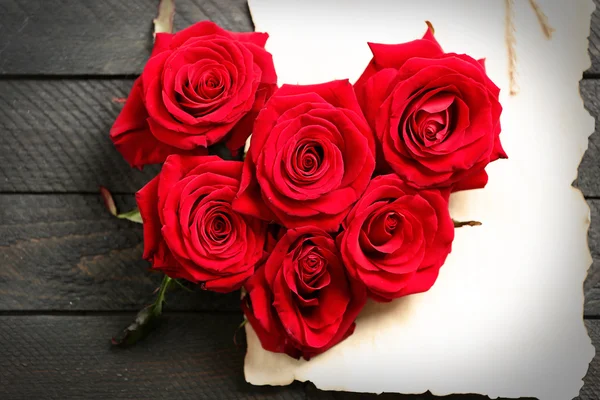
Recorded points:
(145,320)
(160,299)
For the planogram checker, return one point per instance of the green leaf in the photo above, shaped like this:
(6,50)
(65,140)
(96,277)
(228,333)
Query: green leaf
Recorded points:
(145,321)
(181,285)
(133,215)
(109,202)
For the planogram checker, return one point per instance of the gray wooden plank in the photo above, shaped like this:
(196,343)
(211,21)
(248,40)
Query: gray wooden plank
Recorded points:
(113,37)
(54,137)
(594,42)
(66,37)
(592,283)
(188,356)
(65,252)
(588,179)
(69,357)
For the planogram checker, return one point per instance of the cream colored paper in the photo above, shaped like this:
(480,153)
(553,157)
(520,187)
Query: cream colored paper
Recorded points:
(505,316)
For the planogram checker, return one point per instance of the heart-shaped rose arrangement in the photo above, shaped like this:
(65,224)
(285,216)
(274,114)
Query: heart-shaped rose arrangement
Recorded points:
(342,194)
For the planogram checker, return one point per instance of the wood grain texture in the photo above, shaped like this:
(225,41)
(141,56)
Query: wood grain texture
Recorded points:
(65,252)
(67,357)
(113,37)
(592,283)
(588,179)
(55,137)
(66,37)
(594,42)
(188,356)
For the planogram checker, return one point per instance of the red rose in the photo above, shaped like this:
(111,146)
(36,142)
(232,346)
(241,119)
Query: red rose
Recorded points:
(200,86)
(396,238)
(190,230)
(302,301)
(311,156)
(436,114)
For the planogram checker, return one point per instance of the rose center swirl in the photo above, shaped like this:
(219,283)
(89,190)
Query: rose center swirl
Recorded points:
(431,122)
(311,272)
(307,162)
(200,88)
(216,226)
(383,227)
(392,220)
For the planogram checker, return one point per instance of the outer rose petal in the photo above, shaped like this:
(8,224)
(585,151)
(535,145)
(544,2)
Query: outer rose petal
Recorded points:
(256,306)
(206,28)
(249,199)
(374,91)
(131,135)
(395,55)
(227,284)
(264,60)
(421,282)
(337,93)
(155,248)
(477,181)
(162,42)
(147,201)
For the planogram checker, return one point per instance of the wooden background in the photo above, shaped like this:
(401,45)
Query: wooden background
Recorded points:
(71,275)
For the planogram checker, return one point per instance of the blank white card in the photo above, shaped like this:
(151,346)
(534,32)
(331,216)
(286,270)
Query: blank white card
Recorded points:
(505,316)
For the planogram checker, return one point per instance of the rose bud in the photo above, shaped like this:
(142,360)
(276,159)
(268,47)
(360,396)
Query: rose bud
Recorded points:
(395,239)
(201,86)
(436,115)
(302,301)
(190,229)
(311,156)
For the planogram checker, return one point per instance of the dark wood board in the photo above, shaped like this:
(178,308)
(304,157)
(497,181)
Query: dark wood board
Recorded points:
(55,137)
(66,357)
(66,252)
(112,37)
(189,356)
(108,37)
(594,40)
(588,179)
(592,283)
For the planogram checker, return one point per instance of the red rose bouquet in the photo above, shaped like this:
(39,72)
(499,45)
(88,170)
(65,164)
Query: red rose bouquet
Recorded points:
(342,194)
